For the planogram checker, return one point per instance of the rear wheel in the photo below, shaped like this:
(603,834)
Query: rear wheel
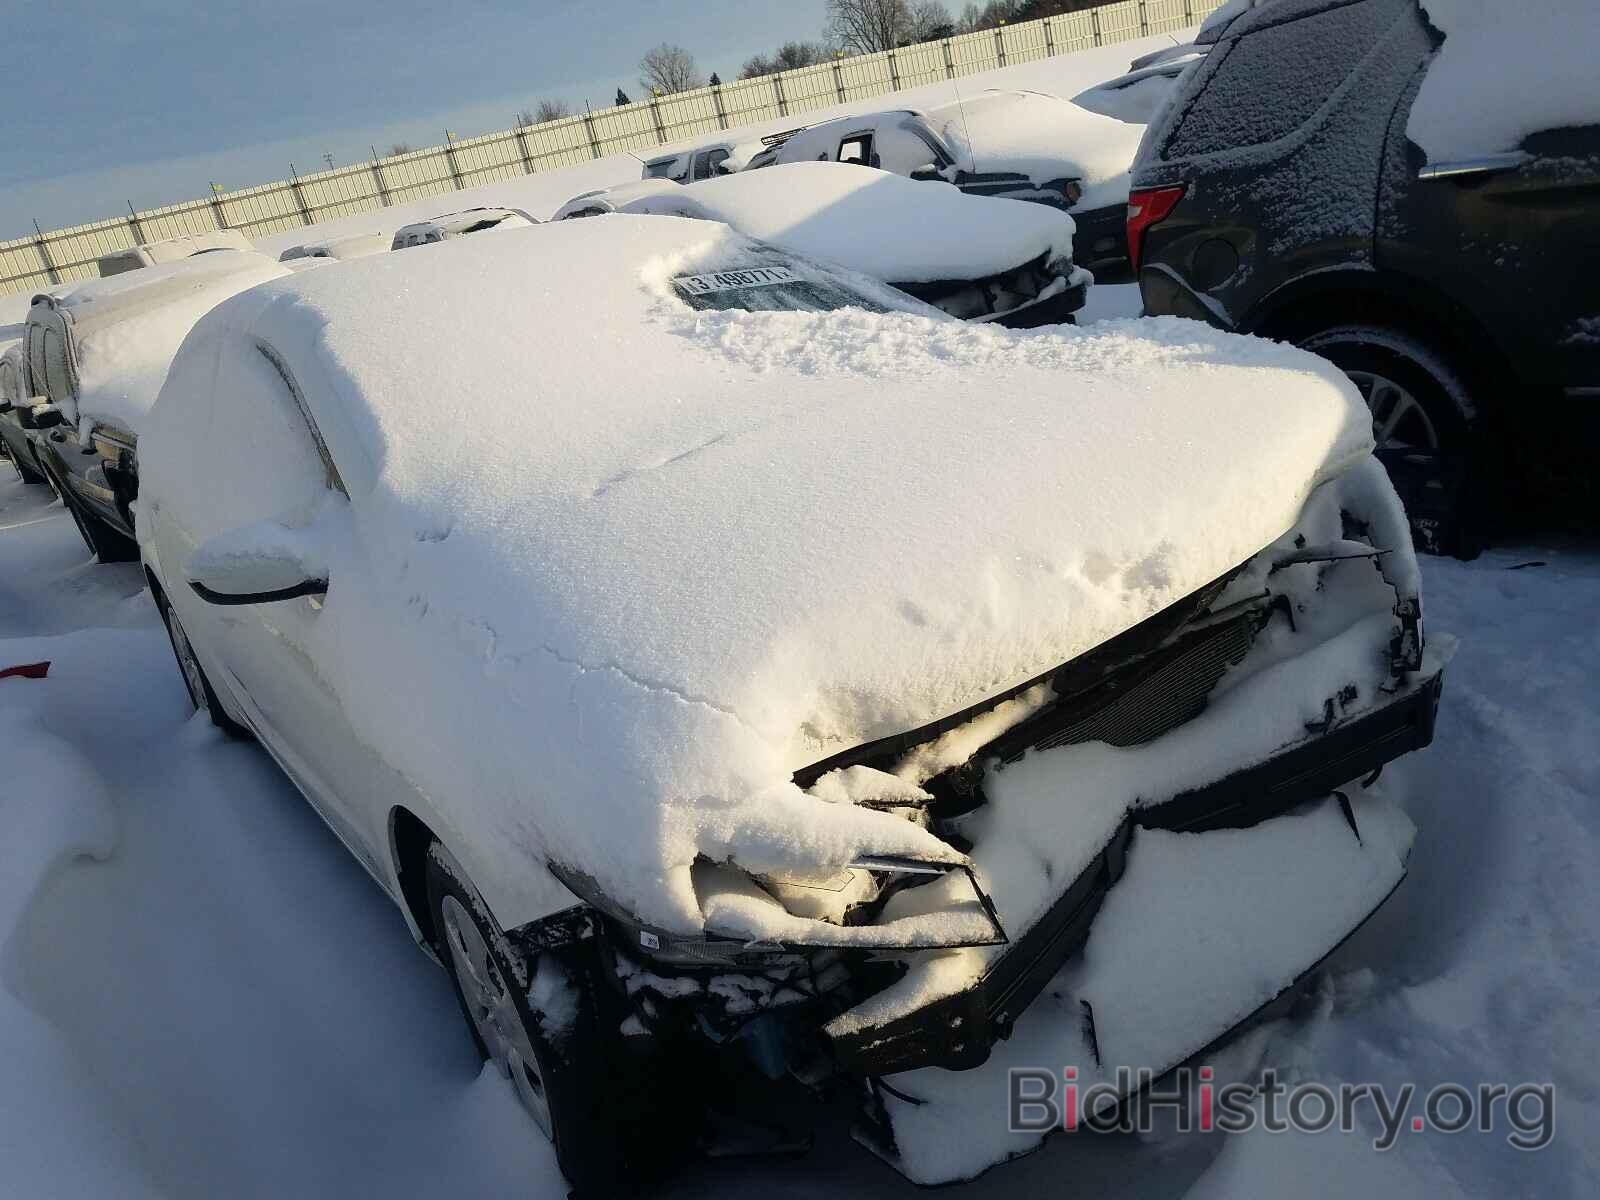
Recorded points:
(569,1077)
(201,694)
(1427,429)
(105,543)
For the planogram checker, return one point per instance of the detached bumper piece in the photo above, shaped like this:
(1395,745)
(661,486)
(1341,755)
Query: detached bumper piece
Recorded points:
(958,1032)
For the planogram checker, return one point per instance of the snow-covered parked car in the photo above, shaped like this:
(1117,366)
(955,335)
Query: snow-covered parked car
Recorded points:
(353,245)
(974,257)
(16,406)
(702,162)
(449,226)
(97,355)
(169,250)
(1020,145)
(769,668)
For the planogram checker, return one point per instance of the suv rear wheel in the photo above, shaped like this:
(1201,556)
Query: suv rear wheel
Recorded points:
(1427,430)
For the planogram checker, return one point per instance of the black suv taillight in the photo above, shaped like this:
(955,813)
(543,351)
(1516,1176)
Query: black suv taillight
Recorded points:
(1146,207)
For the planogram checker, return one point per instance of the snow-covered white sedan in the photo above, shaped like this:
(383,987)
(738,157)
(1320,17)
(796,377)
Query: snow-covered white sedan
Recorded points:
(712,650)
(976,258)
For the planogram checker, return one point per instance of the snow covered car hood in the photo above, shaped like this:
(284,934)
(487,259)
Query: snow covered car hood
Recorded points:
(612,569)
(1043,137)
(884,225)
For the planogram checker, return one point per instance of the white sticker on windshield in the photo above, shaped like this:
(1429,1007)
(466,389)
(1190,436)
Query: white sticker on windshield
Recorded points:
(728,281)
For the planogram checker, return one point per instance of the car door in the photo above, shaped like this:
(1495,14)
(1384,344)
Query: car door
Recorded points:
(1513,238)
(256,444)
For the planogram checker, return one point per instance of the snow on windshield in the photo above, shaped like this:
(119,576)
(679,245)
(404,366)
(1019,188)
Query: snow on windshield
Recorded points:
(1505,71)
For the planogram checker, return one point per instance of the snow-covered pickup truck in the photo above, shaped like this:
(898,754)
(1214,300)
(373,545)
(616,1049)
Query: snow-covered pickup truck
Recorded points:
(975,258)
(770,669)
(1020,145)
(97,353)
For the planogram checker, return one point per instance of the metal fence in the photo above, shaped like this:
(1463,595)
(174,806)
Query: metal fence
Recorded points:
(61,255)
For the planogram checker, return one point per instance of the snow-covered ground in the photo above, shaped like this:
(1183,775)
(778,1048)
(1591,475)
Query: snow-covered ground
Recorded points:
(202,995)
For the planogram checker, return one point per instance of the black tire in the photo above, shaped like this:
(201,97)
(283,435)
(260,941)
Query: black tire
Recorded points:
(105,543)
(1437,451)
(201,694)
(582,1074)
(26,471)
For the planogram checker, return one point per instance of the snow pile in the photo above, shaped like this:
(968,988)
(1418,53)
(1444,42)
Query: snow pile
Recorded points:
(112,340)
(1505,71)
(883,225)
(354,245)
(694,552)
(1043,137)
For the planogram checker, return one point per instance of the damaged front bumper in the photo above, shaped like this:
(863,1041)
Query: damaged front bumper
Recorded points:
(958,1032)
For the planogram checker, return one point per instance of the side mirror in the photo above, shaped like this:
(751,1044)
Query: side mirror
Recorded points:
(257,564)
(926,173)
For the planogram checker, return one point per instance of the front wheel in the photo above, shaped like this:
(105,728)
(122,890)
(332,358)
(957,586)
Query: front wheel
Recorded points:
(201,694)
(566,1075)
(1427,428)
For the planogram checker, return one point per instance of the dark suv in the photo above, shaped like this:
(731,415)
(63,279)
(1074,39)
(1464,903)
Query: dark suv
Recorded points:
(1279,194)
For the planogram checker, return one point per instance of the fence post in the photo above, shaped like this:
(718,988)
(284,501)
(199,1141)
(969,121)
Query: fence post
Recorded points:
(655,115)
(1188,12)
(838,81)
(716,99)
(777,88)
(377,174)
(894,73)
(1049,40)
(1144,20)
(299,196)
(133,224)
(521,132)
(588,125)
(44,254)
(999,47)
(216,207)
(1094,21)
(450,157)
(949,63)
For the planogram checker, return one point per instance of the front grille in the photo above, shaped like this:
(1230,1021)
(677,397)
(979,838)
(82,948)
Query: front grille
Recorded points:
(1171,693)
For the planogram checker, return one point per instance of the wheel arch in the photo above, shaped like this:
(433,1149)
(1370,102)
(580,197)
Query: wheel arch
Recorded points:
(409,839)
(1350,296)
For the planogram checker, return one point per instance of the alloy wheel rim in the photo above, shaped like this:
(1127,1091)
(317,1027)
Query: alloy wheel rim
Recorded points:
(494,1013)
(1399,422)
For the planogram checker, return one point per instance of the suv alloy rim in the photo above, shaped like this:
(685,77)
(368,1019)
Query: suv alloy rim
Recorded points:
(494,1011)
(1399,422)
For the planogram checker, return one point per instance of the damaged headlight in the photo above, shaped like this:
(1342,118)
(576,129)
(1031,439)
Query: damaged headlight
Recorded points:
(766,918)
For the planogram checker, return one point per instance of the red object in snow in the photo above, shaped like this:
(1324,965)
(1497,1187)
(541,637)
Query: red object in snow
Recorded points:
(27,671)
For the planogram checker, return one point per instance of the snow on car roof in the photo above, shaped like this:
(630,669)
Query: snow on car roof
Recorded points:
(1504,72)
(612,198)
(355,245)
(124,330)
(1044,137)
(884,225)
(662,557)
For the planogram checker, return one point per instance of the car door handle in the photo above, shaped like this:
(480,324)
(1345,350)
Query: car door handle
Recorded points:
(1466,168)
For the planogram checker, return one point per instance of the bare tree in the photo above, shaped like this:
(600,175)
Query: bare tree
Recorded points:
(400,148)
(785,58)
(668,69)
(867,26)
(928,21)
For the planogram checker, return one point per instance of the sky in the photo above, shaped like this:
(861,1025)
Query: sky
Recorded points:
(147,102)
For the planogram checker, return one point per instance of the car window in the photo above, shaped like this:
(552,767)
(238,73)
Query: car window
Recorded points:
(433,237)
(707,162)
(1273,79)
(857,148)
(769,282)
